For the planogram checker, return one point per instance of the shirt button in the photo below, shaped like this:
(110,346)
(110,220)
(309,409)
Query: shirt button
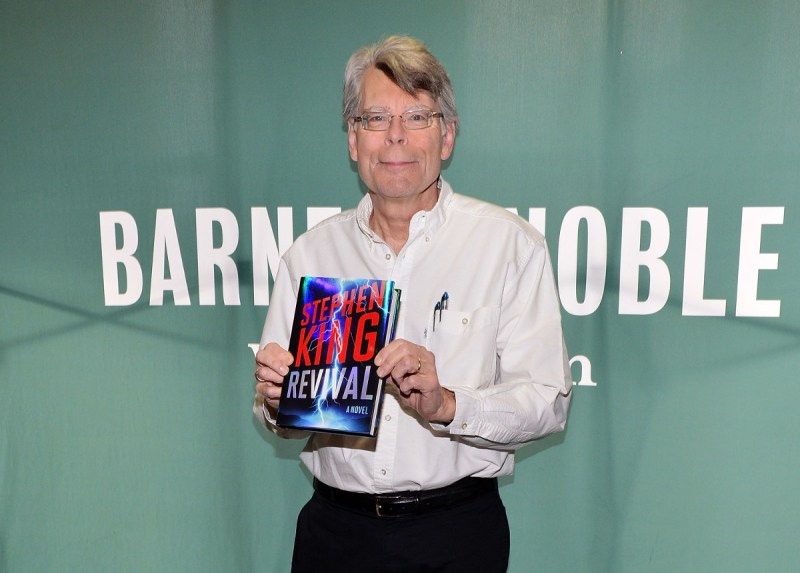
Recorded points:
(464,321)
(388,256)
(427,238)
(388,417)
(464,426)
(383,472)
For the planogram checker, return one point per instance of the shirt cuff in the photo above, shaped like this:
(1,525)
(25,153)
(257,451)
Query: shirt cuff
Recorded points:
(467,411)
(262,412)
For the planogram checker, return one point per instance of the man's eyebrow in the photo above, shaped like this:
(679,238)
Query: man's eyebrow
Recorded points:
(414,107)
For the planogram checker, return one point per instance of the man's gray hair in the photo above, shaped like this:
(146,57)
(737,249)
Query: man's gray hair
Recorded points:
(408,63)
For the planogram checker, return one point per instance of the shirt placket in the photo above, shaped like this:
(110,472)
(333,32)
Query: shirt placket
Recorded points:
(398,269)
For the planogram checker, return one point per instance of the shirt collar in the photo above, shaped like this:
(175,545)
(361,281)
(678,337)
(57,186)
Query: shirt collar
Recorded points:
(423,221)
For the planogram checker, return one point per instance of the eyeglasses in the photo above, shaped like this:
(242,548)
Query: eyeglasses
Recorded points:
(381,120)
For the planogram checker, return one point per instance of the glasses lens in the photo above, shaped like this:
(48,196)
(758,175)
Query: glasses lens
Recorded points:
(417,119)
(376,120)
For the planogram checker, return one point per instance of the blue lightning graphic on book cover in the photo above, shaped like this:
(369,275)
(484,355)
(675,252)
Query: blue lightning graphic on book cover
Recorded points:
(339,326)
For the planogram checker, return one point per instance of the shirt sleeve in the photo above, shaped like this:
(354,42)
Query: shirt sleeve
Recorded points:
(277,328)
(532,390)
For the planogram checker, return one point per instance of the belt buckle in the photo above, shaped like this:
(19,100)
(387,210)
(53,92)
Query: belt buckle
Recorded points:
(378,500)
(409,504)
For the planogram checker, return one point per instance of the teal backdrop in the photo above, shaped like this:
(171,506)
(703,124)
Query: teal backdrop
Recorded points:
(155,157)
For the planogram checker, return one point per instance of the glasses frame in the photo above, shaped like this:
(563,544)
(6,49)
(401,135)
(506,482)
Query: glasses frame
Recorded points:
(362,119)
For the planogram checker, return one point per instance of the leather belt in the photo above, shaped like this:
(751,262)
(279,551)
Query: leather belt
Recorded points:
(407,502)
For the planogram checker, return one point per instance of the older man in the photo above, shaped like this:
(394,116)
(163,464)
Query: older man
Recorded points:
(466,386)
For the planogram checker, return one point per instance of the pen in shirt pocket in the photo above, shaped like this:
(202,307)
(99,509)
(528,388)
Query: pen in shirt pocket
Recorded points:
(439,308)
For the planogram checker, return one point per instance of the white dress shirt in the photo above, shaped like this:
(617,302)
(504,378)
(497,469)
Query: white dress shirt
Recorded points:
(498,347)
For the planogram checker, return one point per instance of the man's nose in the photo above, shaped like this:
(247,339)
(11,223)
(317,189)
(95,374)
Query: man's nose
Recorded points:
(397,130)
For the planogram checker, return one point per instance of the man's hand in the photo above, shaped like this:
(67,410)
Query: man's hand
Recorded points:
(272,364)
(412,369)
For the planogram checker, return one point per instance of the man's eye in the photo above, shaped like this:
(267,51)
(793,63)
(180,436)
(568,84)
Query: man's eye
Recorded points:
(376,118)
(417,116)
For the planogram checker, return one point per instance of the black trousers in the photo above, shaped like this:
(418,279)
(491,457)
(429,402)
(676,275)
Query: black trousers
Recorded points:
(471,536)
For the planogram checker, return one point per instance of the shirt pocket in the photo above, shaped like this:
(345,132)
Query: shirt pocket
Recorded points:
(465,346)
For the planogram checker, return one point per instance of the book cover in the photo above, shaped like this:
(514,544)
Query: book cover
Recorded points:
(339,326)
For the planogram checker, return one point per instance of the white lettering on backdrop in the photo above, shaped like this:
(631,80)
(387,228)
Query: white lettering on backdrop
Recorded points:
(582,261)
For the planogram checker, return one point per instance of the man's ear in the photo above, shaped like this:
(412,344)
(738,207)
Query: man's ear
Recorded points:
(448,140)
(352,141)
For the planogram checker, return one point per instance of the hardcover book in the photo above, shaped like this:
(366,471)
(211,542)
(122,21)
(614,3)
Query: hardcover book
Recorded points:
(339,326)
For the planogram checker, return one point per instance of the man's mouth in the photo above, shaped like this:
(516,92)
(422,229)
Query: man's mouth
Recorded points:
(396,164)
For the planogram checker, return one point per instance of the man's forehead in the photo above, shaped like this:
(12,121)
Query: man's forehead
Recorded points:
(396,102)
